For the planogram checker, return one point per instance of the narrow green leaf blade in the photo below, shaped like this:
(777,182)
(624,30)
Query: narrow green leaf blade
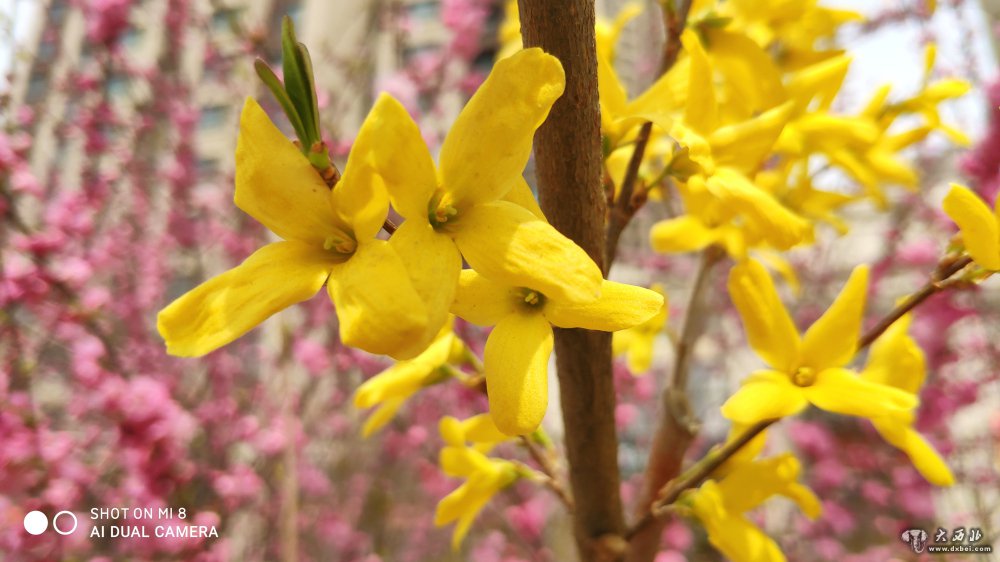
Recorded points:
(310,80)
(295,85)
(278,90)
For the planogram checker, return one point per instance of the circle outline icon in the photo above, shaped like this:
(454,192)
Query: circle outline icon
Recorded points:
(55,527)
(35,522)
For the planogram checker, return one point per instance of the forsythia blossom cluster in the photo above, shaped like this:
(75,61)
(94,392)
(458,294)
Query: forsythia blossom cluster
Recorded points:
(393,296)
(740,129)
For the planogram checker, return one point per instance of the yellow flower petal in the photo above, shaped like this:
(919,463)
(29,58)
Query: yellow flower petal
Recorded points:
(359,199)
(432,264)
(405,377)
(620,306)
(612,92)
(730,533)
(747,70)
(822,79)
(516,361)
(382,416)
(402,159)
(745,145)
(925,459)
(896,360)
(751,484)
(682,234)
(833,339)
(482,301)
(378,309)
(490,142)
(701,113)
(640,355)
(508,244)
(769,329)
(231,304)
(843,392)
(276,184)
(765,395)
(980,228)
(481,429)
(521,194)
(779,226)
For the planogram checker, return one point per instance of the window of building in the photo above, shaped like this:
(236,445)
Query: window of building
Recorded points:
(57,11)
(207,168)
(424,10)
(226,19)
(212,117)
(37,86)
(46,49)
(117,85)
(295,12)
(133,37)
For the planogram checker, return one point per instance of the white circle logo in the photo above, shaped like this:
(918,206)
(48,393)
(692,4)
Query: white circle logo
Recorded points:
(36,522)
(56,518)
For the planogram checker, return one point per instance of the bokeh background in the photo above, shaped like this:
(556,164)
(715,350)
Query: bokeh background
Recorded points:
(118,121)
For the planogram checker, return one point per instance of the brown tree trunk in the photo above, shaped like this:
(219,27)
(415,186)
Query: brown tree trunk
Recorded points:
(568,166)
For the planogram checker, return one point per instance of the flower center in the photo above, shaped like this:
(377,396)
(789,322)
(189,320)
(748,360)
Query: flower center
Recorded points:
(440,210)
(531,299)
(804,376)
(340,243)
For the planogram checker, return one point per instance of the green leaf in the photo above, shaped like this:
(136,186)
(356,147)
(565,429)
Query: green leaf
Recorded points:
(310,80)
(295,84)
(278,90)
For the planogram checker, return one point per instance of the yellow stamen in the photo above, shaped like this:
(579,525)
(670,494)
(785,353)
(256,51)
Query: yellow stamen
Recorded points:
(804,376)
(342,245)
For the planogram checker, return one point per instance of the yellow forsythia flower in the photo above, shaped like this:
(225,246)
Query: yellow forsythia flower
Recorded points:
(636,343)
(804,370)
(896,360)
(473,202)
(517,351)
(484,477)
(721,506)
(391,388)
(979,226)
(479,430)
(329,237)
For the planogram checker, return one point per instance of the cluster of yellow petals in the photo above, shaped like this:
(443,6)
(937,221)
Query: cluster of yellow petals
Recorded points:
(721,506)
(393,296)
(744,119)
(809,369)
(464,456)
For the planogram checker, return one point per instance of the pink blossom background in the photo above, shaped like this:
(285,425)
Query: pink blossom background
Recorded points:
(260,438)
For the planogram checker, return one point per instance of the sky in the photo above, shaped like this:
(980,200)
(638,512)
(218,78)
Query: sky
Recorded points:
(14,18)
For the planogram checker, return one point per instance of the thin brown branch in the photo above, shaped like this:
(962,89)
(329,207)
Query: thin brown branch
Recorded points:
(552,481)
(948,267)
(625,204)
(694,477)
(678,425)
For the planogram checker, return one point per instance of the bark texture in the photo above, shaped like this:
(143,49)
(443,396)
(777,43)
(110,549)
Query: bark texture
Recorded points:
(568,167)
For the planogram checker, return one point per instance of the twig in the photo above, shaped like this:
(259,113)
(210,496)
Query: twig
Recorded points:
(678,425)
(695,476)
(626,204)
(947,268)
(552,480)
